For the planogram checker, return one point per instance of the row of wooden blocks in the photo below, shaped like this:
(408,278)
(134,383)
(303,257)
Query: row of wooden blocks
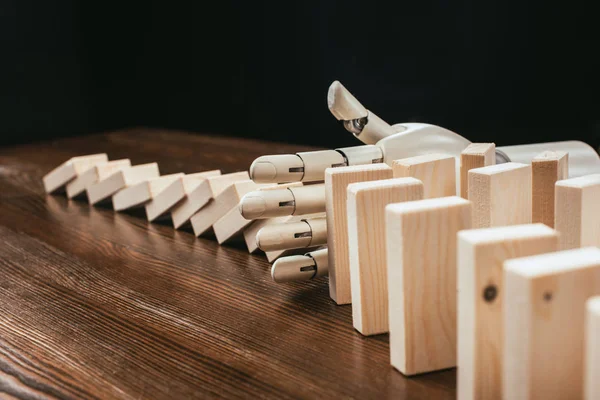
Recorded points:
(402,245)
(205,200)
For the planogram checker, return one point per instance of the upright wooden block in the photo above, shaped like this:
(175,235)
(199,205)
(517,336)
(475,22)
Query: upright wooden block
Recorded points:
(139,194)
(69,170)
(421,239)
(208,189)
(121,179)
(218,207)
(436,171)
(501,195)
(547,168)
(476,155)
(175,192)
(577,207)
(336,184)
(367,244)
(481,255)
(592,350)
(94,174)
(544,312)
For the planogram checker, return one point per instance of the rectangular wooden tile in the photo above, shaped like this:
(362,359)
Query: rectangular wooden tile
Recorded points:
(69,170)
(476,155)
(481,256)
(436,171)
(336,184)
(544,313)
(94,174)
(592,349)
(421,239)
(367,244)
(547,168)
(104,189)
(139,194)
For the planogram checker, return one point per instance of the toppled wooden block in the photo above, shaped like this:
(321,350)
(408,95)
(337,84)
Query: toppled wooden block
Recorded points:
(577,211)
(436,171)
(476,155)
(547,168)
(162,203)
(208,189)
(367,244)
(481,256)
(94,174)
(121,179)
(421,239)
(544,312)
(336,184)
(501,195)
(141,193)
(69,170)
(592,349)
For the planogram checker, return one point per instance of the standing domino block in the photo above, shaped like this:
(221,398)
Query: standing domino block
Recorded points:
(366,241)
(476,155)
(141,193)
(69,170)
(208,189)
(481,255)
(175,192)
(501,195)
(544,313)
(592,349)
(547,168)
(336,184)
(96,173)
(218,207)
(436,171)
(577,208)
(421,239)
(121,179)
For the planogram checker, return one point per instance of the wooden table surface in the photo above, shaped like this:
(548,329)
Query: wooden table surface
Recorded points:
(98,304)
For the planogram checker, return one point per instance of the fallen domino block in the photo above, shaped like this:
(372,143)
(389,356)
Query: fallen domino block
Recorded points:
(69,170)
(121,179)
(94,174)
(141,193)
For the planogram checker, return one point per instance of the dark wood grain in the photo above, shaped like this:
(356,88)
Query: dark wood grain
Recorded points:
(95,304)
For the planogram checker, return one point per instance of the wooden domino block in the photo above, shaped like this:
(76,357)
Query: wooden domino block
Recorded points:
(208,189)
(141,193)
(162,203)
(476,155)
(481,256)
(547,168)
(69,170)
(104,189)
(577,208)
(366,241)
(94,174)
(592,350)
(544,312)
(421,239)
(436,171)
(336,184)
(274,255)
(218,207)
(501,195)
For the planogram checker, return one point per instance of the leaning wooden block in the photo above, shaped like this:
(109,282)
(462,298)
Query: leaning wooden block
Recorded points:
(481,256)
(592,350)
(436,171)
(94,174)
(175,192)
(367,244)
(421,241)
(141,193)
(476,155)
(69,170)
(547,168)
(577,208)
(218,207)
(544,313)
(208,189)
(336,184)
(121,179)
(501,195)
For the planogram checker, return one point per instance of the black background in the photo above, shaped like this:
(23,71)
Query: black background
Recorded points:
(509,72)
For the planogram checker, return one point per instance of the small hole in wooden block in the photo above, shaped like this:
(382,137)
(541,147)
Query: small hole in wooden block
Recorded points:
(490,293)
(548,296)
